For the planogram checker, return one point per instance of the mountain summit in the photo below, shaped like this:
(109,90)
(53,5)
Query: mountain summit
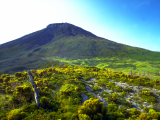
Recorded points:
(66,41)
(45,35)
(67,29)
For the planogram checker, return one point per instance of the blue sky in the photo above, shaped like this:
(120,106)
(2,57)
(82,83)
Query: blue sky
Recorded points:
(132,22)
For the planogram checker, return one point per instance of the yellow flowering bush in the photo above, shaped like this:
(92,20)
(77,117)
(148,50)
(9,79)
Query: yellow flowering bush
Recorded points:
(145,92)
(16,114)
(143,116)
(23,93)
(154,114)
(93,107)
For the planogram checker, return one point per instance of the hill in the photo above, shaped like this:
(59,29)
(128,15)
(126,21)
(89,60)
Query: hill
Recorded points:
(79,93)
(63,40)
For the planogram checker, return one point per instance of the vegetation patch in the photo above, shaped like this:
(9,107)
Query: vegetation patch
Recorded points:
(61,89)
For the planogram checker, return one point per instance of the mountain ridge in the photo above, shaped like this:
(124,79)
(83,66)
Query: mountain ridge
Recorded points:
(66,41)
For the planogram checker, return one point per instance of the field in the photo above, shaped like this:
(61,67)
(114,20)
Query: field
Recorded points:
(150,68)
(79,93)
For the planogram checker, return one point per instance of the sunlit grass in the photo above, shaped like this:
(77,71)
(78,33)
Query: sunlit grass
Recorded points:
(151,68)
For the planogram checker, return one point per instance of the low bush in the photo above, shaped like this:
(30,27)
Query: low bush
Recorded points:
(93,108)
(16,114)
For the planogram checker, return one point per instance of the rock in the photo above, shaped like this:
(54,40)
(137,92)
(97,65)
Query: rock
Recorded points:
(150,106)
(84,97)
(145,104)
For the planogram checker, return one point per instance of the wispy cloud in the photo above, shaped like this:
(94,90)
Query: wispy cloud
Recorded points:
(140,3)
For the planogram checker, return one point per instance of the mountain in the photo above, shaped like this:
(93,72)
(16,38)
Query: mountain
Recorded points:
(65,41)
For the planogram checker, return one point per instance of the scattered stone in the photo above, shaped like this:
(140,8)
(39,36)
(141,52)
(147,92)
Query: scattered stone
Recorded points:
(84,97)
(129,98)
(145,104)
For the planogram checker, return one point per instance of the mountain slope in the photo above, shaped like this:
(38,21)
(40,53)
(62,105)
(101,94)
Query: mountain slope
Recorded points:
(66,41)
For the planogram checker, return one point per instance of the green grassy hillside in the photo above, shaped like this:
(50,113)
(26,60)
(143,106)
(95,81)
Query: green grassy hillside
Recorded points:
(79,93)
(64,40)
(138,67)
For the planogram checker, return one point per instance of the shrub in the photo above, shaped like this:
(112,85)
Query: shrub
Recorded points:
(96,88)
(16,114)
(98,116)
(69,89)
(50,69)
(145,109)
(8,89)
(112,108)
(92,107)
(47,103)
(23,93)
(84,117)
(118,88)
(133,111)
(113,98)
(146,92)
(44,102)
(4,75)
(116,116)
(154,114)
(85,110)
(30,108)
(18,74)
(1,80)
(128,89)
(6,79)
(13,100)
(144,116)
(86,78)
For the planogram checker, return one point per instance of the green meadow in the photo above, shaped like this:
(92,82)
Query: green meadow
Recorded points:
(151,68)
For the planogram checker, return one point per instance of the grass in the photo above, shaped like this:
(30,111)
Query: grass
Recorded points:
(125,65)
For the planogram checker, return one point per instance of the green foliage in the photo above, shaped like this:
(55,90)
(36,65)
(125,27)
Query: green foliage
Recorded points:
(69,90)
(44,102)
(146,92)
(116,116)
(84,117)
(148,96)
(60,97)
(96,88)
(30,108)
(133,111)
(23,93)
(112,108)
(16,114)
(4,75)
(14,100)
(86,77)
(113,98)
(93,108)
(98,116)
(18,74)
(118,88)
